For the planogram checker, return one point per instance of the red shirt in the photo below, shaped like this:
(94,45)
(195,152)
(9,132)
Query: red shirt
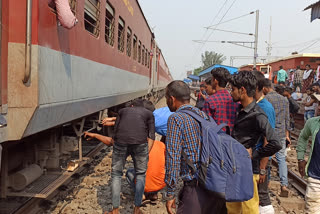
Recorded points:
(221,108)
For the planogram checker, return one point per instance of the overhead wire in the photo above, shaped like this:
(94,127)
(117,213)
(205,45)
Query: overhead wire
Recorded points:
(203,44)
(222,6)
(232,19)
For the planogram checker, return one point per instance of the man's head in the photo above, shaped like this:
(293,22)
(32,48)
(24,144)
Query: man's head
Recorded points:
(202,87)
(309,91)
(280,67)
(298,67)
(308,67)
(260,80)
(209,89)
(137,102)
(244,85)
(267,86)
(177,94)
(148,105)
(220,77)
(287,92)
(279,89)
(316,87)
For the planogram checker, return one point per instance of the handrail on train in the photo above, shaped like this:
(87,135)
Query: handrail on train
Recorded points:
(27,72)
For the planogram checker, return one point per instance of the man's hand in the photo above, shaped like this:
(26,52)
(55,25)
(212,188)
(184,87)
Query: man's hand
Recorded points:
(262,179)
(302,167)
(250,152)
(171,204)
(289,140)
(89,135)
(109,121)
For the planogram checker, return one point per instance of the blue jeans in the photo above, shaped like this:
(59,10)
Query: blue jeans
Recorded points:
(139,154)
(281,158)
(308,115)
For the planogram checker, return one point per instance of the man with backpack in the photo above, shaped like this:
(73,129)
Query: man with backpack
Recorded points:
(251,125)
(184,139)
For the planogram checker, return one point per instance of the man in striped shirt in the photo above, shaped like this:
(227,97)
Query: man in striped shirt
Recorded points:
(184,134)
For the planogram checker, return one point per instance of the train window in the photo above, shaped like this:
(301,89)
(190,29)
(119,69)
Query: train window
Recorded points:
(121,35)
(109,28)
(142,60)
(72,4)
(129,38)
(91,16)
(135,48)
(139,52)
(146,59)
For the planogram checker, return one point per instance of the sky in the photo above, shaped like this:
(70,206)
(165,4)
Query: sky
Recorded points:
(176,23)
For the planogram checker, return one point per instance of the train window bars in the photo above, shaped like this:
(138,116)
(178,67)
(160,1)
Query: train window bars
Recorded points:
(142,57)
(91,16)
(146,58)
(139,52)
(109,28)
(135,48)
(121,35)
(129,39)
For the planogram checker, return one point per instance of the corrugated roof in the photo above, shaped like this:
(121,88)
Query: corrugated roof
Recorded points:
(232,70)
(295,56)
(315,10)
(194,77)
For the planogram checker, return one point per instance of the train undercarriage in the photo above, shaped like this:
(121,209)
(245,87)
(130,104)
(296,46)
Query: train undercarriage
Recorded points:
(37,165)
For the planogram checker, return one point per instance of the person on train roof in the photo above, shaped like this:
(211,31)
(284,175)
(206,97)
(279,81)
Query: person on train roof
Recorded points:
(251,125)
(220,105)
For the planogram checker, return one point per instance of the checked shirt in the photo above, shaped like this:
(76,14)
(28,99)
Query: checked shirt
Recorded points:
(183,133)
(221,108)
(281,107)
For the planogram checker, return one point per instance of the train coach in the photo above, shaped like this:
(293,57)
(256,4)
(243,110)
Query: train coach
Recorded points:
(55,76)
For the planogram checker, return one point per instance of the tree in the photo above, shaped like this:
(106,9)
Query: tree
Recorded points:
(197,71)
(210,58)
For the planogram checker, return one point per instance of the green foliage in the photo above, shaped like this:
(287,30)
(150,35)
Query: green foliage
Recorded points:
(210,58)
(197,71)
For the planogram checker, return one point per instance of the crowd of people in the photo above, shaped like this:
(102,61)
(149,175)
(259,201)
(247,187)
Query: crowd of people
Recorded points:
(257,114)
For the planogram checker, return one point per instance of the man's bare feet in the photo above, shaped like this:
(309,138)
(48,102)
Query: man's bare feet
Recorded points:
(137,210)
(114,211)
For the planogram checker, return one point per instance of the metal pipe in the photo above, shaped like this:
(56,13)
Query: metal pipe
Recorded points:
(27,72)
(256,40)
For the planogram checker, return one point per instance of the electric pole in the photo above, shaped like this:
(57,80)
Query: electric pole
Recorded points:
(256,40)
(269,48)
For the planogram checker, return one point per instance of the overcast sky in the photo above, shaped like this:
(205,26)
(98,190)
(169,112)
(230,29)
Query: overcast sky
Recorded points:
(177,22)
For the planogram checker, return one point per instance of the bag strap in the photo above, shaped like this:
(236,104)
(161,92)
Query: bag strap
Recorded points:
(194,115)
(189,162)
(221,126)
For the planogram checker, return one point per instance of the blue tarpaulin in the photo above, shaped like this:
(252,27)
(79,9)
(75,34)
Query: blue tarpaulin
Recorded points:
(194,77)
(232,70)
(187,80)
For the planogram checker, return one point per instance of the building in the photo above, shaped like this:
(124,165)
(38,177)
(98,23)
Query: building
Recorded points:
(289,62)
(315,10)
(204,74)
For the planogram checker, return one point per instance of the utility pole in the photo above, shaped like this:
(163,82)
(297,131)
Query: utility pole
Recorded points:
(269,48)
(256,40)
